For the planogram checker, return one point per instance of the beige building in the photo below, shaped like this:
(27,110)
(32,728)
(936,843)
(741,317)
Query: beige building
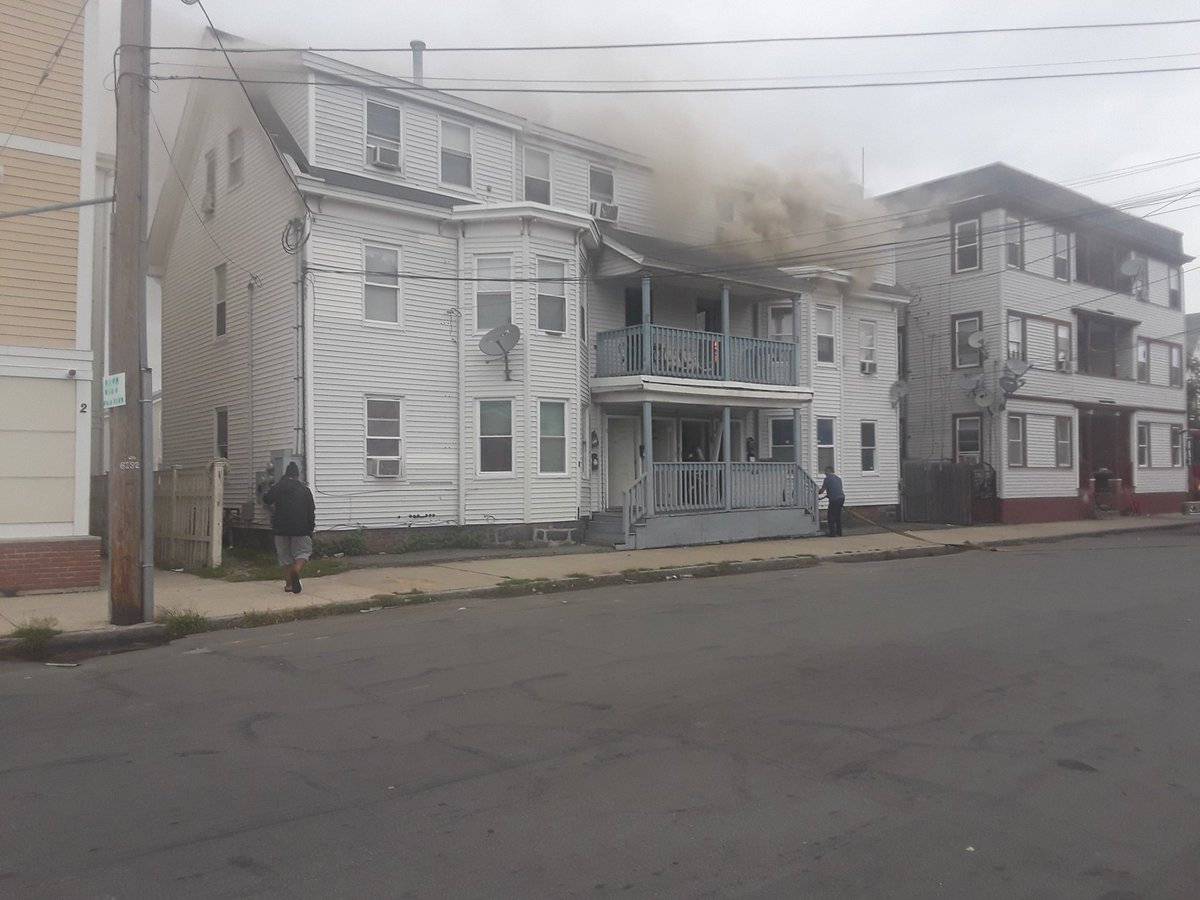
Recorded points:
(47,156)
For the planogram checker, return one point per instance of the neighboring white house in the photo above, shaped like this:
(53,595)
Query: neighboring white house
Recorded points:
(420,222)
(1010,270)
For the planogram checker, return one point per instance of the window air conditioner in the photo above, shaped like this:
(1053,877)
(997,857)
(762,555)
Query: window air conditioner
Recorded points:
(605,212)
(867,366)
(383,468)
(384,157)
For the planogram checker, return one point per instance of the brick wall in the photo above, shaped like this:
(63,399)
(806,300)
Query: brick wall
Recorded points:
(49,564)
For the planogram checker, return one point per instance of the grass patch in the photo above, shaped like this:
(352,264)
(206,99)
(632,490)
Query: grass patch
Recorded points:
(34,637)
(244,564)
(183,622)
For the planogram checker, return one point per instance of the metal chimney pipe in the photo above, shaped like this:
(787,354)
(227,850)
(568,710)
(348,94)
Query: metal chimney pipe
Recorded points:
(418,61)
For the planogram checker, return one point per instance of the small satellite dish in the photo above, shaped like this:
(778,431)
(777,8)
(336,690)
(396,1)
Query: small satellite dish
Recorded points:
(970,383)
(975,340)
(898,391)
(983,399)
(1017,367)
(499,342)
(1010,384)
(1131,266)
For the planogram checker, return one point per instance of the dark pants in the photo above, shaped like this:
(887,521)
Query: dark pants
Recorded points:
(834,517)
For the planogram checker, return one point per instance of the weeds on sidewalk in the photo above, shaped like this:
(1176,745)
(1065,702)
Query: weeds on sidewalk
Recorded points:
(34,636)
(243,564)
(183,622)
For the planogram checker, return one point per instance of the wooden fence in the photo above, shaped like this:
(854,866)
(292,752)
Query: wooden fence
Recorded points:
(936,491)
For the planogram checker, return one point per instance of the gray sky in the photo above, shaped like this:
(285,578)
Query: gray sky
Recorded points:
(1058,129)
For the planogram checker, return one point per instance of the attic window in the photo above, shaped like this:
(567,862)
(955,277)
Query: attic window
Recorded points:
(237,156)
(383,135)
(601,185)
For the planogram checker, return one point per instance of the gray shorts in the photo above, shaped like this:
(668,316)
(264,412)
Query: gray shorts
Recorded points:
(290,549)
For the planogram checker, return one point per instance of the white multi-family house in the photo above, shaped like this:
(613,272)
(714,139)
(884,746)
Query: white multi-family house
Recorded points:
(658,393)
(1046,339)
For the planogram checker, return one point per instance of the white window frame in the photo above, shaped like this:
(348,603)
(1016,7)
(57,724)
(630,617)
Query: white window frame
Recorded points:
(368,437)
(480,437)
(831,447)
(1174,288)
(1174,365)
(219,413)
(236,164)
(1144,448)
(1141,360)
(1022,441)
(209,200)
(957,247)
(554,473)
(482,329)
(368,283)
(1062,253)
(370,140)
(612,177)
(220,292)
(1068,442)
(868,350)
(1177,432)
(1022,347)
(831,334)
(795,445)
(957,321)
(562,297)
(864,448)
(961,455)
(1014,226)
(549,179)
(1062,349)
(774,335)
(470,156)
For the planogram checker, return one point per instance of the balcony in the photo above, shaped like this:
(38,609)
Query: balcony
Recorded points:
(702,355)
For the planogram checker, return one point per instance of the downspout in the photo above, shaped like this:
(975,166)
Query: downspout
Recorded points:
(462,400)
(308,317)
(532,416)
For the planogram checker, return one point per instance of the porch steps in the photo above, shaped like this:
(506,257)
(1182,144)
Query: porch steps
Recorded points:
(606,529)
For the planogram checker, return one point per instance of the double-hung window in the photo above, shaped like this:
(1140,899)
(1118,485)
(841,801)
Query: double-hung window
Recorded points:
(867,335)
(381,284)
(966,356)
(537,176)
(1014,243)
(493,292)
(456,154)
(495,436)
(552,295)
(237,159)
(966,255)
(1062,256)
(1177,445)
(825,335)
(825,447)
(866,431)
(779,326)
(552,437)
(222,433)
(209,202)
(783,440)
(1064,442)
(1143,445)
(221,299)
(1174,288)
(1139,282)
(967,441)
(1062,347)
(383,135)
(1016,336)
(1176,357)
(1016,441)
(384,445)
(601,186)
(1143,361)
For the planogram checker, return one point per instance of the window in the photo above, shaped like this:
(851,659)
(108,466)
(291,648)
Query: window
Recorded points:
(783,442)
(1016,336)
(222,436)
(1143,361)
(1143,445)
(1139,281)
(537,176)
(600,185)
(1062,256)
(1064,442)
(495,436)
(381,284)
(383,438)
(552,295)
(966,246)
(1176,353)
(237,158)
(1014,243)
(1177,445)
(552,437)
(1174,288)
(902,351)
(221,298)
(456,154)
(866,345)
(825,345)
(1098,263)
(209,203)
(966,356)
(383,135)
(866,432)
(967,445)
(493,298)
(1062,347)
(825,452)
(780,324)
(1016,440)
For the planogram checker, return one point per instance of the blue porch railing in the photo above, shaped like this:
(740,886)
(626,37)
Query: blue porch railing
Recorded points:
(680,353)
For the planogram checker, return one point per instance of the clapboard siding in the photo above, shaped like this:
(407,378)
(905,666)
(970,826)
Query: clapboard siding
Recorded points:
(1041,477)
(30,33)
(291,102)
(1160,476)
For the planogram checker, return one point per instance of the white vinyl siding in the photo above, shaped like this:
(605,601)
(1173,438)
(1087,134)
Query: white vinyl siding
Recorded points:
(381,284)
(384,442)
(493,292)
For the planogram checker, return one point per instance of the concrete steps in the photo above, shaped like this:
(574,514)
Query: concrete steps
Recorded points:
(606,529)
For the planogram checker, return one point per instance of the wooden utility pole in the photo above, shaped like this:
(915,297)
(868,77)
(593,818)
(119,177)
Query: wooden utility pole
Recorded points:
(130,516)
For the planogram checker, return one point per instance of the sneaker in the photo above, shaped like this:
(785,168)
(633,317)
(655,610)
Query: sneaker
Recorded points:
(287,587)
(297,587)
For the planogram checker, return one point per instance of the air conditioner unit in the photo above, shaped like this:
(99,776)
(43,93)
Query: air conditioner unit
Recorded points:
(384,157)
(867,366)
(605,212)
(383,468)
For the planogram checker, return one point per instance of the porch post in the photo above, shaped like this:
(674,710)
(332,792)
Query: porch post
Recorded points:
(648,452)
(796,347)
(796,452)
(727,437)
(725,332)
(647,337)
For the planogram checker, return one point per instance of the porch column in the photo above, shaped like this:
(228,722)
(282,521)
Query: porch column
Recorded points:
(727,438)
(648,452)
(725,333)
(647,337)
(796,348)
(796,451)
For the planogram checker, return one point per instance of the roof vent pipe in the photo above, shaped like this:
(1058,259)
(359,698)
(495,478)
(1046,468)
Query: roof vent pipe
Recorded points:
(418,61)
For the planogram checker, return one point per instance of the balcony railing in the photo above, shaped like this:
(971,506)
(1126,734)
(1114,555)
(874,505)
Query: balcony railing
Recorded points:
(680,353)
(681,487)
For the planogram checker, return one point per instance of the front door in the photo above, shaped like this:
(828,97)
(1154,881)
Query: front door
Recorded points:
(624,435)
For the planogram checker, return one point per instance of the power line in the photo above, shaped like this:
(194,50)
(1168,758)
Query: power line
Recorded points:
(725,42)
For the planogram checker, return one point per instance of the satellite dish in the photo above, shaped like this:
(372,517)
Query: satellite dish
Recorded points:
(1017,367)
(1010,384)
(975,340)
(898,391)
(970,383)
(1131,266)
(983,399)
(500,342)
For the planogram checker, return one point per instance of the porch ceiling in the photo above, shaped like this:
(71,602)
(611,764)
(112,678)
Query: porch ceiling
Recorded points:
(697,392)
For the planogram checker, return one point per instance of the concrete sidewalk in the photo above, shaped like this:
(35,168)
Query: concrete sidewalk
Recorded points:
(211,597)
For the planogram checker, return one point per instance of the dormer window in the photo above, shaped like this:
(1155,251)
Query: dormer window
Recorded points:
(456,154)
(383,135)
(537,176)
(600,185)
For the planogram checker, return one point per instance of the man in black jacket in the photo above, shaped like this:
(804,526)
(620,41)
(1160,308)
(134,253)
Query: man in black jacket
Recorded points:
(293,518)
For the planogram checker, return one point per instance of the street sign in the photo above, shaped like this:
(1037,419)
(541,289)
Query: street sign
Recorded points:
(114,390)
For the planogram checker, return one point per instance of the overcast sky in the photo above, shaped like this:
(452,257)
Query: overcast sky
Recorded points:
(1059,129)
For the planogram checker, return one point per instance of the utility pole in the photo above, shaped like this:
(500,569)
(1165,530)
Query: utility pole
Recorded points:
(131,472)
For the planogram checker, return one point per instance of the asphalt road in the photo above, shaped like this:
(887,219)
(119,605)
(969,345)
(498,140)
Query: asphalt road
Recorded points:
(1022,723)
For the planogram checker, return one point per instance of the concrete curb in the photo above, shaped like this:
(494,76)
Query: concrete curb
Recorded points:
(91,643)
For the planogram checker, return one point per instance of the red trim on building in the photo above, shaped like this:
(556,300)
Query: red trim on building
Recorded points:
(1155,504)
(49,564)
(1027,510)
